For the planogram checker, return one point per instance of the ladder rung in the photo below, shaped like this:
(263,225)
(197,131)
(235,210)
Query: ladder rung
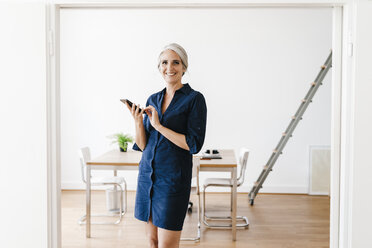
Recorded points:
(293,117)
(304,100)
(313,83)
(323,67)
(266,167)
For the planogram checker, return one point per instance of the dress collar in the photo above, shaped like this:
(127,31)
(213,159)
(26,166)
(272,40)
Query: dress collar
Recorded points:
(185,89)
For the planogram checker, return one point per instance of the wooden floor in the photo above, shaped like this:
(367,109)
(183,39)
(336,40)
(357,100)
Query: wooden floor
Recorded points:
(276,221)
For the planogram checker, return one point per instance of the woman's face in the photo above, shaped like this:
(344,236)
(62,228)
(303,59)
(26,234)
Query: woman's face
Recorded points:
(171,67)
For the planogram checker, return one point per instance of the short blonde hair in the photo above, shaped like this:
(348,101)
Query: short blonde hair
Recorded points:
(180,52)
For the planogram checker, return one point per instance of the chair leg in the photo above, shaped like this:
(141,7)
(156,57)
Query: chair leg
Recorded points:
(121,205)
(204,208)
(197,238)
(82,220)
(231,199)
(125,208)
(219,218)
(199,215)
(204,188)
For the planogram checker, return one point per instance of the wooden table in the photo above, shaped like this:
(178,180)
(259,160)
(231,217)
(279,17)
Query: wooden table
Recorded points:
(116,160)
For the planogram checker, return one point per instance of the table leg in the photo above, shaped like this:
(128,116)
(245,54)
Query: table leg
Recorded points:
(115,175)
(233,217)
(88,201)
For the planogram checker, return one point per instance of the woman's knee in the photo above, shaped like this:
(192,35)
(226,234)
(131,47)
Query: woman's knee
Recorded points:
(168,244)
(152,238)
(153,241)
(169,239)
(152,234)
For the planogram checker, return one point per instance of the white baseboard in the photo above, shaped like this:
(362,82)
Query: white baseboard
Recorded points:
(280,189)
(284,189)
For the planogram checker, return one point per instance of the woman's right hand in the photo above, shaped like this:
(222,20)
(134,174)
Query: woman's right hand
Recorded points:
(140,129)
(137,115)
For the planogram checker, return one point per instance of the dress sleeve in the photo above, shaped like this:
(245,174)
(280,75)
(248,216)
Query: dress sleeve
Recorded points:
(145,124)
(196,124)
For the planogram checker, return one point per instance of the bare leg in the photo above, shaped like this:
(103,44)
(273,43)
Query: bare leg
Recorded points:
(168,239)
(152,234)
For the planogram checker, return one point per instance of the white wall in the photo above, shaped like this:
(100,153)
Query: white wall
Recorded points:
(22,76)
(253,66)
(360,218)
(23,170)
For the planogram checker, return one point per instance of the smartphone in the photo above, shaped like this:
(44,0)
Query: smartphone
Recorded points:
(130,104)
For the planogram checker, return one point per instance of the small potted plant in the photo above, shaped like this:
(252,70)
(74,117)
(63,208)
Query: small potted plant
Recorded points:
(122,140)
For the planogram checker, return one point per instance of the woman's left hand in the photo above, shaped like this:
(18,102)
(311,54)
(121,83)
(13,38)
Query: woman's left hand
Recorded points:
(153,116)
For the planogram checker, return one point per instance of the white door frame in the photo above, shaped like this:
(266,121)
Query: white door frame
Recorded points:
(341,102)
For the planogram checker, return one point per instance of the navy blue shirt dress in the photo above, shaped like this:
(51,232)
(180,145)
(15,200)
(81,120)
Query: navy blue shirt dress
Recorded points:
(165,170)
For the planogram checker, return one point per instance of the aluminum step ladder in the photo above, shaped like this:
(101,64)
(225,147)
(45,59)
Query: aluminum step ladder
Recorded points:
(291,127)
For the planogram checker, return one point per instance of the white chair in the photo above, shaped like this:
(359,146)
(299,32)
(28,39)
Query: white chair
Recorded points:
(195,190)
(226,182)
(84,154)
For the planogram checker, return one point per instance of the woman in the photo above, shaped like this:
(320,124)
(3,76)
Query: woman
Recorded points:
(171,131)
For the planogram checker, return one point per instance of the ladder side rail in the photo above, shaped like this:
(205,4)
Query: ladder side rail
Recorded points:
(274,156)
(304,106)
(264,174)
(310,94)
(261,176)
(299,112)
(318,80)
(284,139)
(283,142)
(269,162)
(327,63)
(291,127)
(258,184)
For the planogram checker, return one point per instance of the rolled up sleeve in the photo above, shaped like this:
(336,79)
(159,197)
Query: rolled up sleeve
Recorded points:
(136,148)
(196,124)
